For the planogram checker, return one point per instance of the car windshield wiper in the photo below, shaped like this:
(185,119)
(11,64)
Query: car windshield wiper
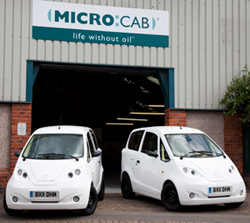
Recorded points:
(47,155)
(197,154)
(209,153)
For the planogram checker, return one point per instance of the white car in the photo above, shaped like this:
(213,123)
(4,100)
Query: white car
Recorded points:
(180,166)
(59,168)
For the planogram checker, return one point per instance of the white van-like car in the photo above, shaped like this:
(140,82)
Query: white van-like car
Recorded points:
(59,168)
(180,166)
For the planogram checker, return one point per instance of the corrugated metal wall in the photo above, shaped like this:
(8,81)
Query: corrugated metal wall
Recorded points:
(209,44)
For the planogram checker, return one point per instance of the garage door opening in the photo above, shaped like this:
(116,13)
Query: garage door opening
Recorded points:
(105,99)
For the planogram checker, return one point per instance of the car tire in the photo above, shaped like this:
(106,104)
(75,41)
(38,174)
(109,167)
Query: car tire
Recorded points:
(102,191)
(170,198)
(233,205)
(92,203)
(126,187)
(9,211)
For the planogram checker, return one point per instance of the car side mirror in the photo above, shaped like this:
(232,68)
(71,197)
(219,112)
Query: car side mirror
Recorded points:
(97,153)
(153,154)
(17,154)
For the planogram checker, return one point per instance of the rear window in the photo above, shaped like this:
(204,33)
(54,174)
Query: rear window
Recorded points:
(54,146)
(135,139)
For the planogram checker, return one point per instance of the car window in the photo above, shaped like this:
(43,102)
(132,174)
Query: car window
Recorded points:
(192,145)
(149,143)
(94,139)
(88,152)
(135,140)
(54,146)
(163,153)
(91,143)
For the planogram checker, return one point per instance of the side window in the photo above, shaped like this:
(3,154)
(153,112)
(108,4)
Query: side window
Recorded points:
(94,139)
(91,145)
(135,139)
(150,143)
(88,151)
(163,153)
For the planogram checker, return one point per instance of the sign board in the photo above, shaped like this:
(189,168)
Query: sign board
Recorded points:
(21,129)
(100,24)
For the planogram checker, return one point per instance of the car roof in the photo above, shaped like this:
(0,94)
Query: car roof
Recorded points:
(62,129)
(172,130)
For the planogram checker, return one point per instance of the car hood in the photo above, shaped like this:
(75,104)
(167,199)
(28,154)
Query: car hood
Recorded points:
(212,167)
(48,170)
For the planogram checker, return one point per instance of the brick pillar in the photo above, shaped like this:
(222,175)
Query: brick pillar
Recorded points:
(233,140)
(175,117)
(21,113)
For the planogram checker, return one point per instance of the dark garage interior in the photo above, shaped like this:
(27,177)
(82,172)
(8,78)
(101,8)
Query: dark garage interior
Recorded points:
(94,97)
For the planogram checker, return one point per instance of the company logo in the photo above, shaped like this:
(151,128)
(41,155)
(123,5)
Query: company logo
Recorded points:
(97,19)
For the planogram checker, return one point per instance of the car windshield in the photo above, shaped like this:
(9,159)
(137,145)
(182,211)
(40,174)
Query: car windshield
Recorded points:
(192,145)
(54,146)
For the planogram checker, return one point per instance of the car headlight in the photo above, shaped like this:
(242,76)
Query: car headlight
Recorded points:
(77,172)
(231,169)
(20,172)
(70,175)
(190,171)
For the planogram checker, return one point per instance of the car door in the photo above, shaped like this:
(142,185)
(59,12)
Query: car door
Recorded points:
(147,165)
(130,156)
(95,160)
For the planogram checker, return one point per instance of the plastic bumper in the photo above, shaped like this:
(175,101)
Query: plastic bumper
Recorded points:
(201,196)
(64,200)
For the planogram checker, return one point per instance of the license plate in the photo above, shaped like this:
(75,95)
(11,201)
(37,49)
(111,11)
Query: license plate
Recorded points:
(43,194)
(215,190)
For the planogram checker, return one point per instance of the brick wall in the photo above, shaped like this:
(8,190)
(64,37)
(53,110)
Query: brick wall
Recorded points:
(175,117)
(233,140)
(21,113)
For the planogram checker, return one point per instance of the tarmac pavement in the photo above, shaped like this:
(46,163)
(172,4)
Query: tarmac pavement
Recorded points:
(115,209)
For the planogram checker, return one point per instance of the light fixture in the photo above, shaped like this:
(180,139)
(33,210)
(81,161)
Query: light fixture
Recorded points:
(147,113)
(133,119)
(109,123)
(156,106)
(76,198)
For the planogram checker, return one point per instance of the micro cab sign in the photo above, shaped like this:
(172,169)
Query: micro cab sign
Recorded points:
(100,24)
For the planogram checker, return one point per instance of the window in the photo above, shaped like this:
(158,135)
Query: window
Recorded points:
(94,139)
(88,152)
(135,139)
(54,146)
(150,143)
(192,145)
(163,153)
(91,145)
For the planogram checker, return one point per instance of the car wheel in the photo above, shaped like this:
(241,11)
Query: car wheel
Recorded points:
(102,191)
(233,205)
(170,198)
(126,188)
(10,212)
(90,209)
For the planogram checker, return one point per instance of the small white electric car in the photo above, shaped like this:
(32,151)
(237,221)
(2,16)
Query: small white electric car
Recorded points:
(59,168)
(180,166)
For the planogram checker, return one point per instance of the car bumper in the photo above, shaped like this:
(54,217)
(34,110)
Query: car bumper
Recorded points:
(201,196)
(66,193)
